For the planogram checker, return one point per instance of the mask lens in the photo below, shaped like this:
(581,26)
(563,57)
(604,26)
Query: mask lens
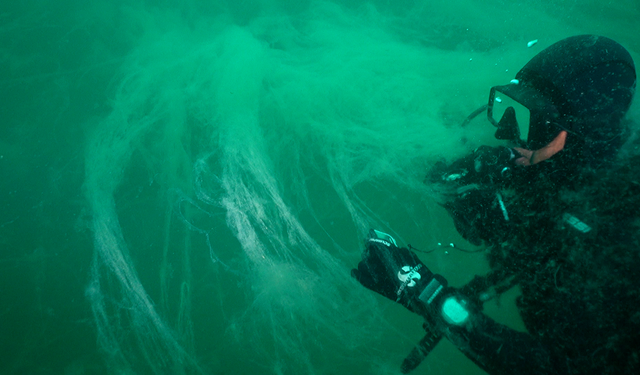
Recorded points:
(499,104)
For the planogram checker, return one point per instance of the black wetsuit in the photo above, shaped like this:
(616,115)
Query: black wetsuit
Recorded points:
(570,241)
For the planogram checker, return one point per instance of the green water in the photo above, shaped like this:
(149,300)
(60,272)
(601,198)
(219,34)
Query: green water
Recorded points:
(185,184)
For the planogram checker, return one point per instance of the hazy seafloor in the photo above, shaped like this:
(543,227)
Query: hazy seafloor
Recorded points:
(185,185)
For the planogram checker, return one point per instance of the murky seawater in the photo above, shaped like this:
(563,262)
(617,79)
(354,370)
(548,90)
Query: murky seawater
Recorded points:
(185,188)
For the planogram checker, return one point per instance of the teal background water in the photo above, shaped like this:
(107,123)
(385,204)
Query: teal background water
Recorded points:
(184,185)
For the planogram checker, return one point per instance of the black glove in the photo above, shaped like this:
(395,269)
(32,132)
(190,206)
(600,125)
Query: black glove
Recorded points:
(398,274)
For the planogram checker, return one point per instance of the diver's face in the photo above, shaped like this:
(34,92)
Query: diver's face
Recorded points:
(530,123)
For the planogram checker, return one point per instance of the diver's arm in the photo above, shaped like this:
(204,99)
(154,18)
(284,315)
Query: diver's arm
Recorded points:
(498,349)
(399,275)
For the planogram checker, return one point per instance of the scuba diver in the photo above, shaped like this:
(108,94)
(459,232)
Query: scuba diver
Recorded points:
(557,209)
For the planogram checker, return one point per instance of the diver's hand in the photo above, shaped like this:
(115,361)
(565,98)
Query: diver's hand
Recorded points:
(524,158)
(398,274)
